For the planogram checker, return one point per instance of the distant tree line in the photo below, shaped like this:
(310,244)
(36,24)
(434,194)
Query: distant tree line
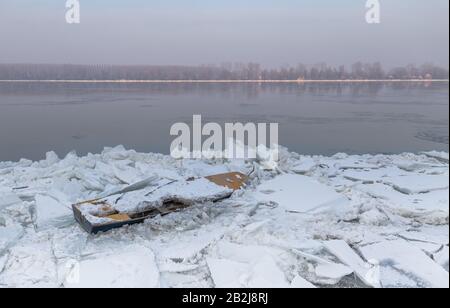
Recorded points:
(227,71)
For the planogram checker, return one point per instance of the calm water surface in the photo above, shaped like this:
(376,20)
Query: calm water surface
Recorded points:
(314,118)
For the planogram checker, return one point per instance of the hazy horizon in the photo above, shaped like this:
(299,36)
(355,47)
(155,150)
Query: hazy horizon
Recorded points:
(273,33)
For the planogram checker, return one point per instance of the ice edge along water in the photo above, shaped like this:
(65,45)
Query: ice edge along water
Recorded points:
(368,220)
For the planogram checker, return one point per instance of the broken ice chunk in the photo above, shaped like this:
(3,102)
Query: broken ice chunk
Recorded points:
(8,198)
(407,204)
(301,283)
(200,168)
(3,260)
(262,274)
(346,255)
(434,234)
(117,153)
(304,166)
(357,164)
(187,245)
(131,267)
(441,156)
(228,274)
(442,257)
(52,213)
(404,265)
(332,273)
(246,253)
(267,274)
(372,176)
(418,184)
(30,264)
(297,193)
(9,235)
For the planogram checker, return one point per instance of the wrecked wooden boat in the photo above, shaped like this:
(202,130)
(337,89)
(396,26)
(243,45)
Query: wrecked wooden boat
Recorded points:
(136,206)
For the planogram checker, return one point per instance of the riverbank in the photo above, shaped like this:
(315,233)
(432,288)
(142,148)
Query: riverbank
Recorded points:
(345,221)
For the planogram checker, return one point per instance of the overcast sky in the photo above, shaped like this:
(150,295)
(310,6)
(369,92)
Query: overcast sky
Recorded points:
(271,32)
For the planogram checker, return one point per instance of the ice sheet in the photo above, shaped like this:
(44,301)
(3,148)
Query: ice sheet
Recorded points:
(298,193)
(259,243)
(332,273)
(418,203)
(264,273)
(301,283)
(408,262)
(304,166)
(30,264)
(418,183)
(348,256)
(52,213)
(8,198)
(129,267)
(9,235)
(442,257)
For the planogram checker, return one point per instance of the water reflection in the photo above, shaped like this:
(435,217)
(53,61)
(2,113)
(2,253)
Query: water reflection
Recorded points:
(322,118)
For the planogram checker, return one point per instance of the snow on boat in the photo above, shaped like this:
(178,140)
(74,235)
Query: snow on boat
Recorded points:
(136,206)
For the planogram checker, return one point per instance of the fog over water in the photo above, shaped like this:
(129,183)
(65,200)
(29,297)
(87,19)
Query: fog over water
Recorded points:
(271,32)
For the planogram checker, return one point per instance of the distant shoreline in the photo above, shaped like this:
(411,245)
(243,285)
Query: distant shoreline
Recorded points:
(232,81)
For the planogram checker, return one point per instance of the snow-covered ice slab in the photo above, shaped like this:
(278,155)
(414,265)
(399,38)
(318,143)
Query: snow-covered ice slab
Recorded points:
(358,164)
(52,213)
(3,260)
(9,235)
(400,202)
(246,253)
(441,156)
(264,273)
(246,266)
(189,244)
(404,265)
(8,198)
(332,273)
(442,257)
(130,267)
(373,176)
(30,264)
(348,256)
(297,193)
(300,283)
(435,235)
(304,166)
(418,183)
